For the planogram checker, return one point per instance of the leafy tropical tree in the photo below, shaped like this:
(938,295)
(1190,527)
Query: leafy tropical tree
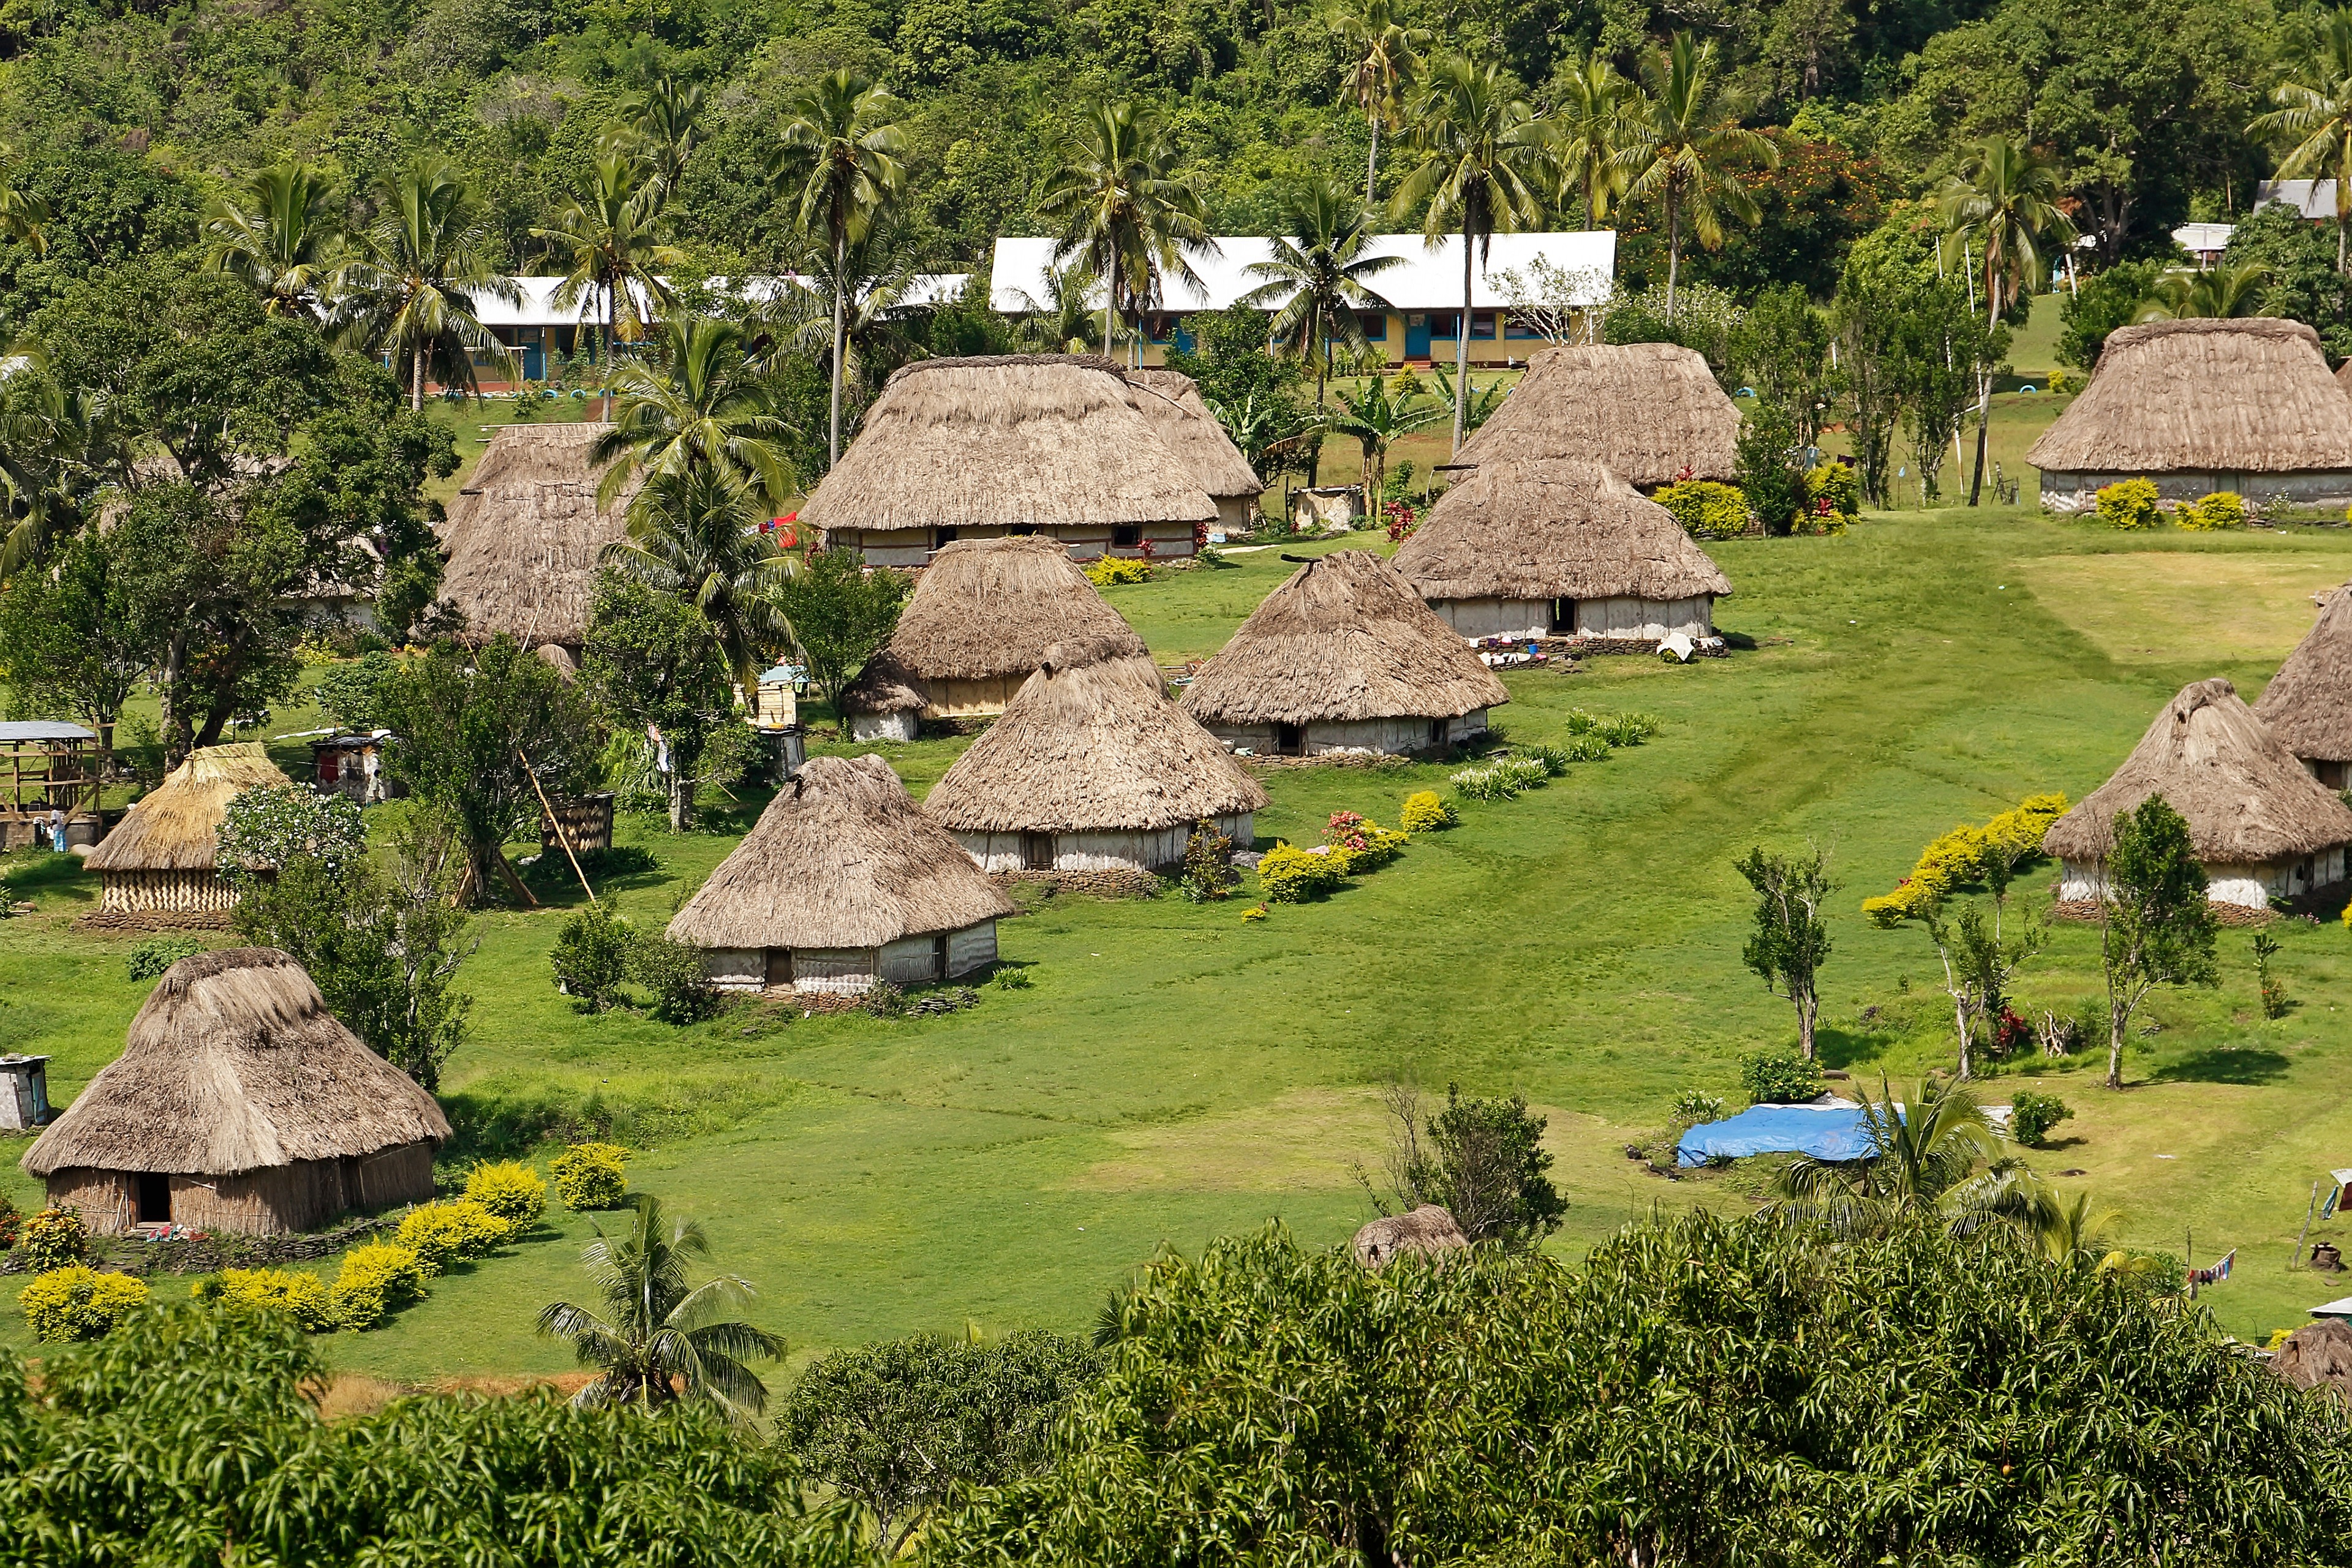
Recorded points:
(1376,418)
(1382,54)
(24,216)
(2004,203)
(609,234)
(1915,1153)
(840,613)
(2222,292)
(1481,171)
(705,405)
(1791,941)
(696,536)
(1119,205)
(1588,135)
(57,450)
(877,279)
(1061,322)
(841,147)
(1686,144)
(2313,120)
(70,639)
(667,120)
(653,666)
(411,295)
(1482,1161)
(280,238)
(1315,279)
(2155,924)
(658,1338)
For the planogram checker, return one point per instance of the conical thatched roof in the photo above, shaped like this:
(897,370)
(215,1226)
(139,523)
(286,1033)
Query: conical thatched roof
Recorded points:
(2248,395)
(842,857)
(1646,410)
(2245,798)
(987,609)
(235,1065)
(2344,375)
(2317,1355)
(1005,441)
(1555,528)
(524,535)
(177,826)
(2308,704)
(1095,746)
(1169,402)
(1345,637)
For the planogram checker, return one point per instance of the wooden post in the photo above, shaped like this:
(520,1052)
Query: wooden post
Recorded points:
(562,836)
(2308,1210)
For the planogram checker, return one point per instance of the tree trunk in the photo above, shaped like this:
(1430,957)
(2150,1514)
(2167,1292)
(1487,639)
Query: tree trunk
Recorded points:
(1809,1007)
(416,382)
(608,353)
(1110,299)
(840,292)
(1315,451)
(2114,1048)
(174,699)
(1674,249)
(1960,1020)
(681,799)
(1984,383)
(1373,163)
(1461,348)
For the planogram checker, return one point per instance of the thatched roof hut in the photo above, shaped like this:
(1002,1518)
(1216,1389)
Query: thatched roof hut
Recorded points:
(1651,412)
(2317,1356)
(2307,705)
(1559,547)
(524,535)
(1171,403)
(1343,657)
(1428,1231)
(240,1103)
(843,881)
(2201,406)
(977,626)
(1091,768)
(157,866)
(1007,444)
(2261,827)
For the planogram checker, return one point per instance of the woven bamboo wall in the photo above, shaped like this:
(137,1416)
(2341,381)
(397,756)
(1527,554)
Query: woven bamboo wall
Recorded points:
(169,892)
(108,1200)
(300,1196)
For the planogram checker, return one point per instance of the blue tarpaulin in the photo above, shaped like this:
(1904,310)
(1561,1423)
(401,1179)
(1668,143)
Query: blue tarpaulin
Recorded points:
(1826,1132)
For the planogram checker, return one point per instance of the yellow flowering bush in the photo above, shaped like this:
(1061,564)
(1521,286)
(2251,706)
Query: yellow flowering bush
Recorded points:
(2221,509)
(1291,876)
(1360,844)
(1963,855)
(1115,571)
(2129,503)
(79,1302)
(511,1190)
(1425,811)
(1705,509)
(440,1234)
(376,1281)
(588,1175)
(302,1297)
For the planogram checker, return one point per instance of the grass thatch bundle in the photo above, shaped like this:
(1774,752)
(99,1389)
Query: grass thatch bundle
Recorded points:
(2244,396)
(233,1064)
(176,827)
(1553,527)
(987,609)
(524,535)
(1091,747)
(1345,637)
(1005,441)
(843,858)
(2308,704)
(2246,799)
(1171,403)
(1651,412)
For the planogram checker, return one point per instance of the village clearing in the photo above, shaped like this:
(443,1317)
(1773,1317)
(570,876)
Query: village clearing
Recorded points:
(1175,1073)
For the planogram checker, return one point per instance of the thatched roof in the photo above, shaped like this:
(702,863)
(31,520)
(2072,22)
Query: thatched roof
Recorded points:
(524,534)
(2317,1355)
(1095,746)
(2246,396)
(176,827)
(1003,441)
(987,609)
(842,857)
(1345,637)
(2344,375)
(1169,402)
(1647,410)
(2308,704)
(2245,798)
(1429,1230)
(235,1064)
(1553,527)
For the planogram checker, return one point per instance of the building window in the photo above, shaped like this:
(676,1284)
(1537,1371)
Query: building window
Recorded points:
(1482,324)
(1375,324)
(1442,323)
(1126,536)
(1513,327)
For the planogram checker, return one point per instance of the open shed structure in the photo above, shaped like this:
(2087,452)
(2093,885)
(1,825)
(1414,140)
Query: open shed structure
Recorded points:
(2261,825)
(1171,403)
(1343,657)
(157,866)
(240,1103)
(841,882)
(1651,413)
(524,535)
(48,766)
(2307,705)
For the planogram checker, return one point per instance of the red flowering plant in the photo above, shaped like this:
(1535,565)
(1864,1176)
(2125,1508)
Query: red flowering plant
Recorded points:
(1402,520)
(1348,831)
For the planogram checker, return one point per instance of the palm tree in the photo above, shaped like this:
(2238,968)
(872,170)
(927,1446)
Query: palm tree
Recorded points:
(1122,207)
(1687,131)
(658,1339)
(1382,55)
(1482,158)
(840,145)
(1059,323)
(2314,118)
(665,118)
(279,239)
(610,231)
(695,534)
(22,214)
(57,450)
(2003,203)
(1589,130)
(1314,278)
(877,275)
(411,295)
(2223,293)
(1914,1156)
(1376,418)
(705,407)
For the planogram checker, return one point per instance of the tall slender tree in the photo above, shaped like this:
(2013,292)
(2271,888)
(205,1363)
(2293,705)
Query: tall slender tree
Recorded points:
(666,119)
(1121,206)
(1589,130)
(1686,134)
(2313,120)
(1314,281)
(413,296)
(706,405)
(609,234)
(1382,53)
(1481,172)
(695,536)
(279,238)
(838,157)
(2001,207)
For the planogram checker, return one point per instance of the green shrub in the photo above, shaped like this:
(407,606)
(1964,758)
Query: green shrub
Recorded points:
(77,1303)
(1525,772)
(676,975)
(376,1281)
(1425,811)
(1488,783)
(151,958)
(884,999)
(1692,1108)
(1209,873)
(1116,571)
(1586,748)
(1554,759)
(1291,876)
(1579,722)
(1837,484)
(1009,978)
(1628,729)
(1705,509)
(302,1297)
(54,1238)
(511,1190)
(2032,1115)
(590,1175)
(441,1234)
(1779,1078)
(2129,503)
(592,958)
(2221,509)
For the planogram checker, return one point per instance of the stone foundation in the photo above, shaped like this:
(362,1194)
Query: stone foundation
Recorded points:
(1112,882)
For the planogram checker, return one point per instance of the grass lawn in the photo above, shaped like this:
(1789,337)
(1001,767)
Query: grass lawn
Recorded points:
(1175,1073)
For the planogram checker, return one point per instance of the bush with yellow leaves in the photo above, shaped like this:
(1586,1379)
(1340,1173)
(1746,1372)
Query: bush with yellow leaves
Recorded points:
(1968,854)
(1425,811)
(440,1234)
(79,1302)
(376,1281)
(511,1190)
(302,1297)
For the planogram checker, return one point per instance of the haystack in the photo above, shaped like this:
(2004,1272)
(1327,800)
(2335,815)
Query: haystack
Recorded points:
(240,1104)
(1091,769)
(2261,827)
(2308,704)
(524,535)
(977,626)
(974,448)
(157,866)
(2200,406)
(843,881)
(1651,412)
(1343,657)
(1559,547)
(1171,403)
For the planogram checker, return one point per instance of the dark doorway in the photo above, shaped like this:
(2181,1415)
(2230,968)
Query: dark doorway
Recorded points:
(780,966)
(940,956)
(1036,851)
(1563,617)
(1438,728)
(2329,773)
(1126,536)
(1290,740)
(154,1198)
(942,537)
